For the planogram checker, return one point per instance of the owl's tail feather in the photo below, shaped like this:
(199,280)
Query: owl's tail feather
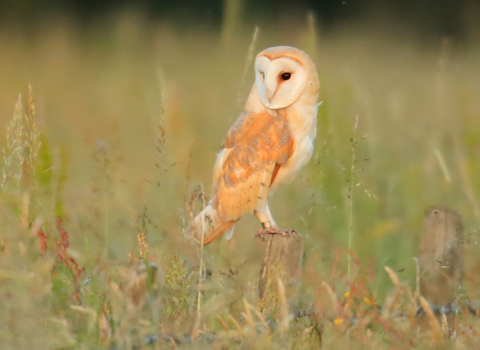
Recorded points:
(207,221)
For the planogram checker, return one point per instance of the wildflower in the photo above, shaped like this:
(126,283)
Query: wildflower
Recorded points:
(42,242)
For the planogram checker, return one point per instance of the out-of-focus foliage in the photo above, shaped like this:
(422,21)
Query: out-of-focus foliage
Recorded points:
(130,114)
(452,18)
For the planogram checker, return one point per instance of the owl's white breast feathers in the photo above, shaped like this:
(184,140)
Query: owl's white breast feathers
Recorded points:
(302,122)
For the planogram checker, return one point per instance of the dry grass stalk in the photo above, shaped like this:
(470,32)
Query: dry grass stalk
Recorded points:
(13,154)
(248,63)
(432,320)
(222,323)
(443,165)
(104,325)
(200,269)
(32,136)
(251,309)
(248,313)
(412,308)
(161,127)
(417,279)
(393,276)
(231,21)
(199,194)
(237,325)
(333,298)
(445,325)
(22,143)
(351,180)
(142,243)
(390,306)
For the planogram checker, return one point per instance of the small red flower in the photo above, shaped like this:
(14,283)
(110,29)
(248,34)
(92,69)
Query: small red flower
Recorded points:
(42,242)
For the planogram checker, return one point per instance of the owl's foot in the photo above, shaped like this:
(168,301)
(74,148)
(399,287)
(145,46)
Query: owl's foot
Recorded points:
(275,231)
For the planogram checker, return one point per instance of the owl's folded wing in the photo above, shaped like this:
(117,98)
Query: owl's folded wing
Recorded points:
(255,148)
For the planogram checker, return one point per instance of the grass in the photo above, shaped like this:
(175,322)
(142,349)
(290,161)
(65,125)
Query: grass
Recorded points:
(127,118)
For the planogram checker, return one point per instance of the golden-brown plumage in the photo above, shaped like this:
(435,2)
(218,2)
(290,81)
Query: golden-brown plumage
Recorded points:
(271,140)
(254,145)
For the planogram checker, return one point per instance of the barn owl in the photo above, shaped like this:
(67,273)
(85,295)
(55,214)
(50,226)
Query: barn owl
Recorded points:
(267,145)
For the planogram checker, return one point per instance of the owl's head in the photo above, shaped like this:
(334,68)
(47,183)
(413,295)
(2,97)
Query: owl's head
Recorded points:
(282,75)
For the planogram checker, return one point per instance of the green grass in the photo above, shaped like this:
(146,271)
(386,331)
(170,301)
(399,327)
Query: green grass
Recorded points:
(131,114)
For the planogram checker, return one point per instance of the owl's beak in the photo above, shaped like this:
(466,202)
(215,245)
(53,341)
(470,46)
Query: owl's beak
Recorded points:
(271,87)
(269,96)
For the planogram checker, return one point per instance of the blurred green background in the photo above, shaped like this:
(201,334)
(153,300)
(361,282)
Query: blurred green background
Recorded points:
(106,74)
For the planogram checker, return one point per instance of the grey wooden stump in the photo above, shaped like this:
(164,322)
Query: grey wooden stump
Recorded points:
(441,255)
(282,258)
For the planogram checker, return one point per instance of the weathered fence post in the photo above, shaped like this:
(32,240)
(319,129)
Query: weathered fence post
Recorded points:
(441,255)
(282,258)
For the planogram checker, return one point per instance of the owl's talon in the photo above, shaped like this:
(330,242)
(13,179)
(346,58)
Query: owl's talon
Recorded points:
(274,231)
(291,233)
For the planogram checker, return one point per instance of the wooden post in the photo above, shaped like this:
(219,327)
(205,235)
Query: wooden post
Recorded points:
(441,255)
(282,258)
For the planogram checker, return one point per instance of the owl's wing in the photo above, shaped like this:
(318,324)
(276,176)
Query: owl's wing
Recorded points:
(255,148)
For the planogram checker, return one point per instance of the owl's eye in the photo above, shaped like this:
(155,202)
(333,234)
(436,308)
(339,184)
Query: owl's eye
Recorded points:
(262,75)
(286,76)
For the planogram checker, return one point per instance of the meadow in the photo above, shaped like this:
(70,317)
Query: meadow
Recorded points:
(104,154)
